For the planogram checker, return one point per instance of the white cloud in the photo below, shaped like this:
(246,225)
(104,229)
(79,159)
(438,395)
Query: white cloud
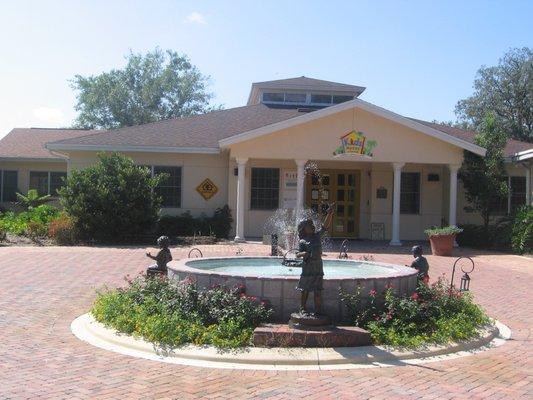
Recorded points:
(195,18)
(49,115)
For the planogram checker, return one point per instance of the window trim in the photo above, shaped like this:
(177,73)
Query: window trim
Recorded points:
(49,181)
(251,189)
(2,171)
(152,174)
(419,193)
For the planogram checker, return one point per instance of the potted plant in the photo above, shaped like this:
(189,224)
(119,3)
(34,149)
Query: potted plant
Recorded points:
(442,239)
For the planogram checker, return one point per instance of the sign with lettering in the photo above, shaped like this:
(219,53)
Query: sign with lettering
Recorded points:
(207,189)
(355,143)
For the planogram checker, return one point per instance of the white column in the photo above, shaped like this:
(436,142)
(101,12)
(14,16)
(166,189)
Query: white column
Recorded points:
(452,217)
(241,192)
(300,185)
(528,184)
(396,204)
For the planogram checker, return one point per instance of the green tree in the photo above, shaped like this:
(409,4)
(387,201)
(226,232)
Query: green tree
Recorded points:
(152,87)
(484,178)
(505,90)
(112,199)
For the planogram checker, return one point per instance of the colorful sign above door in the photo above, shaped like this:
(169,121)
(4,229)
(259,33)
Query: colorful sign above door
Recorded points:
(207,189)
(355,143)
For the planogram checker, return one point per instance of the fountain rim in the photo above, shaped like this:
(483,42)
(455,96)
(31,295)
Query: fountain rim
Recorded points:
(181,266)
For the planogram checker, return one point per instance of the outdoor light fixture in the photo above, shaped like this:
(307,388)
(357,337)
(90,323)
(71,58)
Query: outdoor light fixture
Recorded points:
(465,279)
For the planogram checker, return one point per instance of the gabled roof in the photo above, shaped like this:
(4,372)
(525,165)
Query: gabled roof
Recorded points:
(196,134)
(511,148)
(29,143)
(357,103)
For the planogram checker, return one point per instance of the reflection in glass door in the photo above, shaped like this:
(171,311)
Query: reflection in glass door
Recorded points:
(343,188)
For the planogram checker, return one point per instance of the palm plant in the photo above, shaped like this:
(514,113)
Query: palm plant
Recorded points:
(32,199)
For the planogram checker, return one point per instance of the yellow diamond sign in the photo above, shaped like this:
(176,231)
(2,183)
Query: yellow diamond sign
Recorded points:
(207,189)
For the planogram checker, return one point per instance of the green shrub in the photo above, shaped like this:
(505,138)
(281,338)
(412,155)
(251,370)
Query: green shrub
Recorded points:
(39,217)
(111,200)
(447,230)
(433,314)
(522,230)
(219,224)
(32,199)
(171,313)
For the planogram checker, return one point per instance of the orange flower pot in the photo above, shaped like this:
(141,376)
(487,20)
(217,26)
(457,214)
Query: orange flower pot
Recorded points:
(442,245)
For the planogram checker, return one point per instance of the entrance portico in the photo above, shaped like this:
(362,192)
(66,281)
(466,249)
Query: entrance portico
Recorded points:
(405,183)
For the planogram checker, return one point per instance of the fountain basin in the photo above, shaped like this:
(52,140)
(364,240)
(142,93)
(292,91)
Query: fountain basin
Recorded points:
(267,279)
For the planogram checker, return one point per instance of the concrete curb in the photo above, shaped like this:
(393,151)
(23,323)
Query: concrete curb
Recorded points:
(89,330)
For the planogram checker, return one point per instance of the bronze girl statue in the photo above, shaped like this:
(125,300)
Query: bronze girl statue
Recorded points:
(310,251)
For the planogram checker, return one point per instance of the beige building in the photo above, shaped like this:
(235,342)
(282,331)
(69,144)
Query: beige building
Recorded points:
(391,177)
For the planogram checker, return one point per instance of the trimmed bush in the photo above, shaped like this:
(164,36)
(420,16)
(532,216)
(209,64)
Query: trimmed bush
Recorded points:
(218,225)
(112,200)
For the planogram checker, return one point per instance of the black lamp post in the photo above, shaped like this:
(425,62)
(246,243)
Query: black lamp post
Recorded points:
(465,279)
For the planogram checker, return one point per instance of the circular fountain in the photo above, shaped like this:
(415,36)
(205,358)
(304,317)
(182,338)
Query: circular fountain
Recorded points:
(268,279)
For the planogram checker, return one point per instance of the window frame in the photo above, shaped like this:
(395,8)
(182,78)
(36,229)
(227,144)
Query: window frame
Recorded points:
(152,174)
(48,181)
(2,187)
(419,193)
(268,207)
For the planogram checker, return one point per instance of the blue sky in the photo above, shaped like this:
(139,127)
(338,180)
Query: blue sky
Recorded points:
(416,58)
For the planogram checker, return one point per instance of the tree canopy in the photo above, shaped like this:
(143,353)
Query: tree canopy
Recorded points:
(155,86)
(506,90)
(484,178)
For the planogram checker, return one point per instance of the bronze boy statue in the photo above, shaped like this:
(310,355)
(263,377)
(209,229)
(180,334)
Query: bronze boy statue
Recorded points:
(162,257)
(310,250)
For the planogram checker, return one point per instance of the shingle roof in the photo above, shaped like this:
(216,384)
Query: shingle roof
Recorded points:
(199,131)
(306,83)
(513,146)
(29,142)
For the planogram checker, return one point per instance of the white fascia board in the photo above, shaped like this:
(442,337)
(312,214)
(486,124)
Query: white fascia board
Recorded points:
(357,103)
(133,149)
(522,155)
(32,159)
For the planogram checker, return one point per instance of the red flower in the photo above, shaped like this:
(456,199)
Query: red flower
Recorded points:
(414,296)
(372,293)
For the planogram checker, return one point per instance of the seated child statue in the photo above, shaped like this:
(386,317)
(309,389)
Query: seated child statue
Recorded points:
(420,263)
(310,250)
(161,259)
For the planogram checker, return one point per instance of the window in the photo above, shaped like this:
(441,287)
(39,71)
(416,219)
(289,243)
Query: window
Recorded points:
(518,191)
(321,98)
(39,181)
(57,180)
(170,189)
(341,99)
(273,97)
(265,189)
(410,193)
(295,98)
(47,182)
(8,185)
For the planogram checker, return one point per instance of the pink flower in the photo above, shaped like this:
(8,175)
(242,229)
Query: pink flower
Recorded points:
(414,296)
(372,293)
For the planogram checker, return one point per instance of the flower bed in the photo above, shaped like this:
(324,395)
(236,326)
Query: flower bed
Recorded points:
(171,314)
(434,314)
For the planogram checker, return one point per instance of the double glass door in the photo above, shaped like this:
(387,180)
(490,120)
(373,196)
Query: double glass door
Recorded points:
(343,188)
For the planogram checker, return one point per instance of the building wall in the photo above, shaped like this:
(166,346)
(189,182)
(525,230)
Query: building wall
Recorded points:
(24,168)
(195,168)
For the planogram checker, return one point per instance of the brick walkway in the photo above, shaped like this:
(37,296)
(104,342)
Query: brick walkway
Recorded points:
(43,289)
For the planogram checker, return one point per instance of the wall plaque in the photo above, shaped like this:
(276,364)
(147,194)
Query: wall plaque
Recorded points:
(207,189)
(377,231)
(381,193)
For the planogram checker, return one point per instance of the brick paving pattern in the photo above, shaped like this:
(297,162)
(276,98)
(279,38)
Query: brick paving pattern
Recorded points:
(43,289)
